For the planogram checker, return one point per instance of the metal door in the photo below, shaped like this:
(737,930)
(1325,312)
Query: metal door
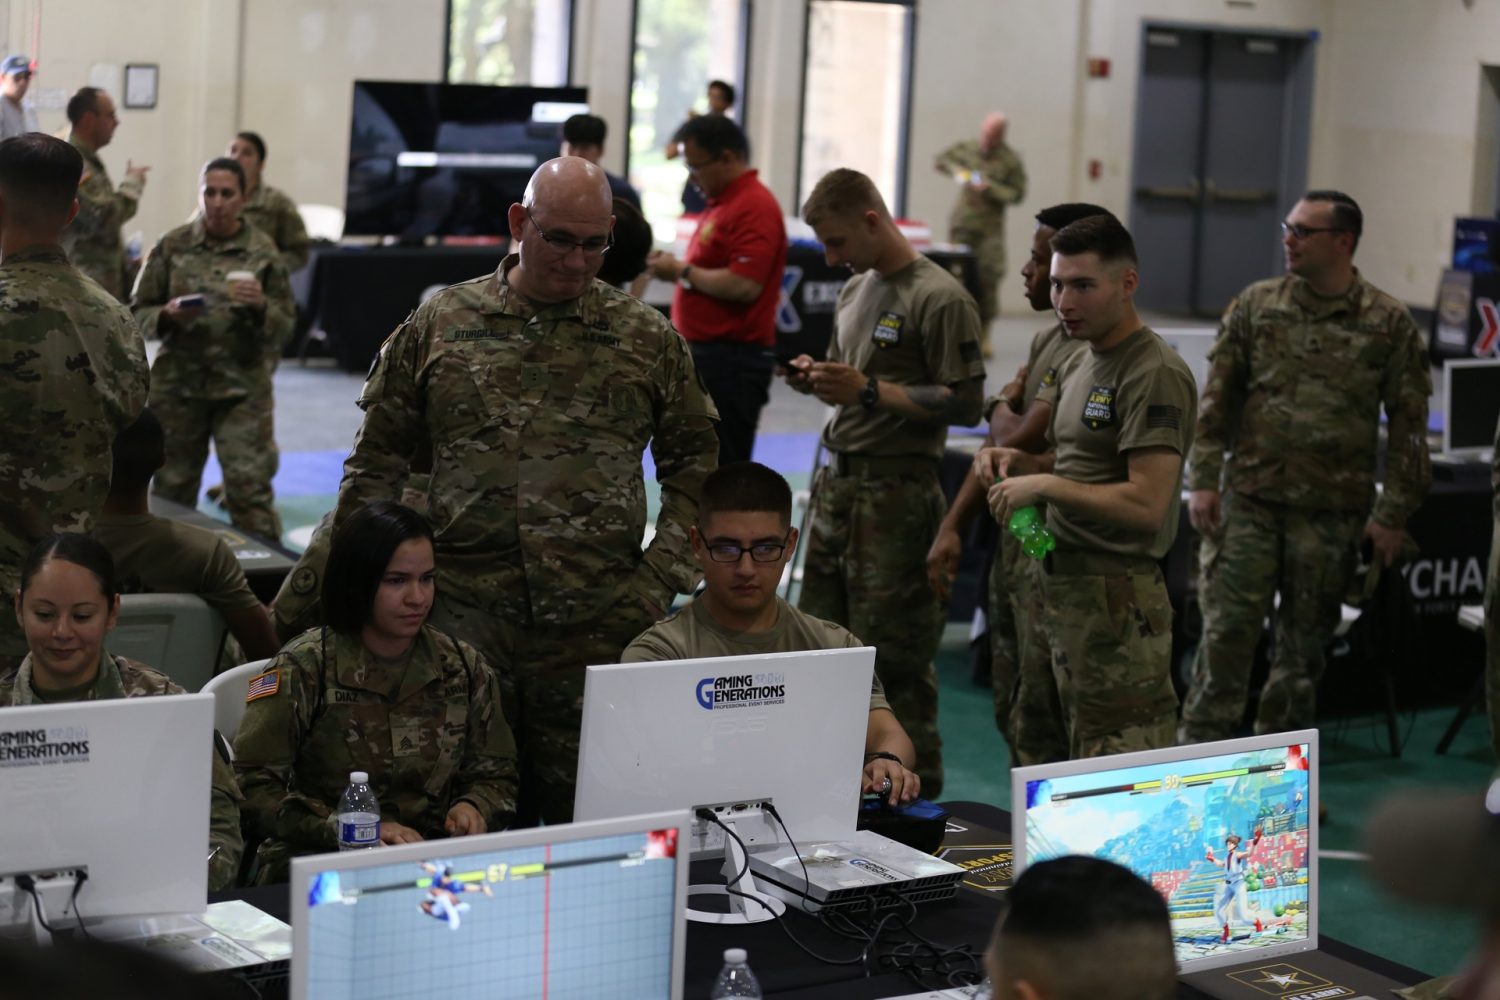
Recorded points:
(1220,155)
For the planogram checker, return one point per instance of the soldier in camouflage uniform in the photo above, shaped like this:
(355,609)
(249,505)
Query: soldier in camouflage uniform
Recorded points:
(904,363)
(74,366)
(377,690)
(1026,708)
(990,177)
(93,241)
(1301,368)
(266,208)
(91,674)
(212,376)
(1122,416)
(538,389)
(1492,609)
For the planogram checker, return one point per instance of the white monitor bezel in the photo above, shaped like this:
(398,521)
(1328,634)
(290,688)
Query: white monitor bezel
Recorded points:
(304,868)
(1021,775)
(1447,400)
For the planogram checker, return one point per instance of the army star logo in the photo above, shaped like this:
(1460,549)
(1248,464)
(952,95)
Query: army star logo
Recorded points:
(1099,407)
(1280,980)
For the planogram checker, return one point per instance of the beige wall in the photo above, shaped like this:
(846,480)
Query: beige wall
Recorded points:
(1400,120)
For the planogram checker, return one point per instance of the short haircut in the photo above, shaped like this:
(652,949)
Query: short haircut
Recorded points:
(1083,928)
(224,163)
(715,135)
(585,130)
(361,549)
(39,177)
(1234,837)
(77,548)
(744,487)
(724,87)
(633,242)
(1061,216)
(81,103)
(1096,234)
(254,139)
(1346,211)
(843,193)
(139,450)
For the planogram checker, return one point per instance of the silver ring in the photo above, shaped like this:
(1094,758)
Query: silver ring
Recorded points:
(885,784)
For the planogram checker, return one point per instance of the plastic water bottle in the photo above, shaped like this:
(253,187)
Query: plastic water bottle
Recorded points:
(1031,529)
(359,815)
(735,979)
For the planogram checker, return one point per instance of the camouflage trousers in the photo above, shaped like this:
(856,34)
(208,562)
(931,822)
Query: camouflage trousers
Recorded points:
(243,431)
(1027,711)
(866,569)
(1264,549)
(541,672)
(1109,624)
(1492,639)
(989,253)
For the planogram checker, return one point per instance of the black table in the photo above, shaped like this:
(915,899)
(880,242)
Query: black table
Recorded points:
(265,562)
(787,973)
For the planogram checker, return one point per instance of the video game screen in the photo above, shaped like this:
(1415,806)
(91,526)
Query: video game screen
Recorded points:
(586,918)
(1224,839)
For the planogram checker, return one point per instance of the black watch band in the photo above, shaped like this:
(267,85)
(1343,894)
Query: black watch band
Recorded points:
(870,394)
(884,755)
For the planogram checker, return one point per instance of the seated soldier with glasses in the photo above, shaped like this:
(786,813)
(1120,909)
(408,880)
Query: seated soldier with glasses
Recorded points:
(745,510)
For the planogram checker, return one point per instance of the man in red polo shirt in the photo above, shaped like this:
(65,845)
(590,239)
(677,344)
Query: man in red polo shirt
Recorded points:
(729,284)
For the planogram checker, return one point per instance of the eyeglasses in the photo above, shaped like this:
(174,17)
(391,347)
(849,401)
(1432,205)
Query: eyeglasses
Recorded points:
(564,245)
(761,552)
(1303,232)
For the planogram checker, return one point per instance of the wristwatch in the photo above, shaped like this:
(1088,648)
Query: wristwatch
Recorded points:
(870,394)
(682,276)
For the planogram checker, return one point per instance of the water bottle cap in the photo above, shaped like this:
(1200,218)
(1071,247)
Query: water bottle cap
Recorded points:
(359,778)
(734,956)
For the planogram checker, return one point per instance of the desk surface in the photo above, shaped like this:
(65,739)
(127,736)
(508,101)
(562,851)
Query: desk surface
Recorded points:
(788,973)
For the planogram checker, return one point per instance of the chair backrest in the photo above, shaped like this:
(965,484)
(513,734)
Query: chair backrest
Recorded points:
(178,634)
(323,222)
(228,690)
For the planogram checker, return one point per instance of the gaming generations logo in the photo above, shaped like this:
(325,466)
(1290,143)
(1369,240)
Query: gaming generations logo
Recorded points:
(31,747)
(742,691)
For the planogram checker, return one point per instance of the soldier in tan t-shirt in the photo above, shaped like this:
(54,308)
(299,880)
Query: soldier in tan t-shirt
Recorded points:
(1122,423)
(904,364)
(743,540)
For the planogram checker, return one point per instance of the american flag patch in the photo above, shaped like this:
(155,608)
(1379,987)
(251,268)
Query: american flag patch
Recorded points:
(1164,416)
(263,686)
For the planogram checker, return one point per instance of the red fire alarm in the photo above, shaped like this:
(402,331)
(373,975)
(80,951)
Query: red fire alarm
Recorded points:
(1095,169)
(1098,68)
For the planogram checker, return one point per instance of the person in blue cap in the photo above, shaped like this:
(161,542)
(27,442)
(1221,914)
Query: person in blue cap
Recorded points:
(17,115)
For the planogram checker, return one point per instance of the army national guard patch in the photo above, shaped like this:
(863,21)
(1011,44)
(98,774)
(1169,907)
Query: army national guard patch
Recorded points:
(888,330)
(1099,407)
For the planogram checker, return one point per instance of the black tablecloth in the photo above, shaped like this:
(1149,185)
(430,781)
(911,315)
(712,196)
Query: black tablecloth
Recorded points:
(787,973)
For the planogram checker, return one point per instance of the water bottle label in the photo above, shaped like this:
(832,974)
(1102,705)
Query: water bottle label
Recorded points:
(359,833)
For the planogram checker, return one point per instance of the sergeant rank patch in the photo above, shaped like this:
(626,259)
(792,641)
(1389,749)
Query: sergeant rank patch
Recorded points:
(1099,407)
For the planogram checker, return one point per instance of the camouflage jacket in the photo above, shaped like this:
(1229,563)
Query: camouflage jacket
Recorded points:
(538,420)
(229,350)
(72,375)
(122,678)
(276,215)
(93,239)
(1293,396)
(981,210)
(429,733)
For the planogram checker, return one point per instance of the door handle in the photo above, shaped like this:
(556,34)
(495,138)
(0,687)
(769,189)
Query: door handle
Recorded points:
(1187,192)
(1238,195)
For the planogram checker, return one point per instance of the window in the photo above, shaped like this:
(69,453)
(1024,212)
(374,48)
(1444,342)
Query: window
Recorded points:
(522,42)
(856,94)
(680,45)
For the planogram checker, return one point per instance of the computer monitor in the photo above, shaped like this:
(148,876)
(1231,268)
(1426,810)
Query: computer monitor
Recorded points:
(577,910)
(1471,406)
(1193,343)
(1167,816)
(118,788)
(729,732)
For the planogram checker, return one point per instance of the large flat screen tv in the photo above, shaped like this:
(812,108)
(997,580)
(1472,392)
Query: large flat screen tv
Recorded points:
(447,159)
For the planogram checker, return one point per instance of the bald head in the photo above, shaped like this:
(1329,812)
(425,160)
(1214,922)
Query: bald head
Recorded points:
(992,129)
(568,183)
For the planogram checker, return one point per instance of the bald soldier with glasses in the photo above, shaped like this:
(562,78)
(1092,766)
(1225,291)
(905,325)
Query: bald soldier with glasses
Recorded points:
(537,390)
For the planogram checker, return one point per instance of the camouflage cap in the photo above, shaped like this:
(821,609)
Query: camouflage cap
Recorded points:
(1439,847)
